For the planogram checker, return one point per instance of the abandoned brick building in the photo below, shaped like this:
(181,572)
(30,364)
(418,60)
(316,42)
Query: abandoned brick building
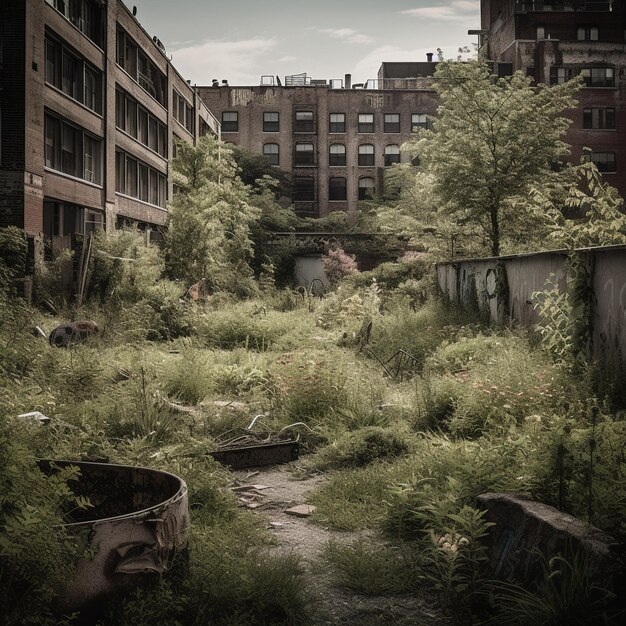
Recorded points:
(90,108)
(554,40)
(335,138)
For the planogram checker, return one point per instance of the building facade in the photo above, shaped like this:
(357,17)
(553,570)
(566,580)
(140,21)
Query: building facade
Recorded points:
(554,40)
(90,110)
(333,137)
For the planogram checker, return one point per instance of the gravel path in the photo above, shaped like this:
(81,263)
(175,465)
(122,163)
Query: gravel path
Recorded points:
(331,605)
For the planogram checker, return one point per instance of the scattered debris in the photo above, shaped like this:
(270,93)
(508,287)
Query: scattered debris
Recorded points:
(230,404)
(276,524)
(198,291)
(73,332)
(36,416)
(39,332)
(301,510)
(398,364)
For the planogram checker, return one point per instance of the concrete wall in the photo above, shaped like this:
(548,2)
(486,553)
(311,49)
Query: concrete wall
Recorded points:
(472,283)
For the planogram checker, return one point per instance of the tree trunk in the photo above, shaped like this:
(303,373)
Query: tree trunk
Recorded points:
(495,230)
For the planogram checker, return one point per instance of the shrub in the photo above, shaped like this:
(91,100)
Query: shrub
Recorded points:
(337,265)
(362,447)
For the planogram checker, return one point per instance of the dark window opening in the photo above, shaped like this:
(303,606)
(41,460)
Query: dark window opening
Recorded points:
(337,154)
(304,154)
(337,123)
(392,155)
(305,122)
(367,189)
(138,180)
(272,153)
(598,76)
(392,123)
(604,161)
(337,189)
(271,123)
(598,118)
(304,189)
(366,155)
(366,123)
(230,122)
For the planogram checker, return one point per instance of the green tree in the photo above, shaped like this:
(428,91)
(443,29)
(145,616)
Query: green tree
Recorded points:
(210,219)
(493,140)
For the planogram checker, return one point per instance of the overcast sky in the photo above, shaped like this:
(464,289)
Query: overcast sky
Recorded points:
(240,40)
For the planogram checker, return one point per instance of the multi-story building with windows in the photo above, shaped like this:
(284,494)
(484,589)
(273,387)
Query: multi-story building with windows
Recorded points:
(90,112)
(554,40)
(336,139)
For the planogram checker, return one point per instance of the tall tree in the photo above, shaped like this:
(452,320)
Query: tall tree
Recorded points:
(210,219)
(493,139)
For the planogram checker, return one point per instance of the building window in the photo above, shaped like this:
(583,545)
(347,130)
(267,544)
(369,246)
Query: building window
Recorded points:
(133,119)
(366,123)
(86,15)
(392,155)
(303,189)
(305,122)
(337,154)
(272,153)
(366,154)
(70,73)
(138,180)
(560,75)
(367,188)
(138,66)
(337,189)
(418,120)
(271,122)
(66,219)
(71,150)
(304,154)
(541,32)
(598,76)
(337,123)
(392,123)
(599,118)
(182,111)
(605,161)
(587,34)
(230,122)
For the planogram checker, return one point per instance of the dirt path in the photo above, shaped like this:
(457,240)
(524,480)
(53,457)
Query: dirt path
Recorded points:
(331,605)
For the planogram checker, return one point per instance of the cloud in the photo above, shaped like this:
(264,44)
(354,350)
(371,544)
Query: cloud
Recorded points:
(457,11)
(346,35)
(286,59)
(238,61)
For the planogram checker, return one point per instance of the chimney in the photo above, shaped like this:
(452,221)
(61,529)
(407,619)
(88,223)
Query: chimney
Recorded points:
(348,81)
(429,57)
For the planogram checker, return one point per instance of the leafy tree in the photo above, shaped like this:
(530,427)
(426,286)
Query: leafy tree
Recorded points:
(492,141)
(210,219)
(253,167)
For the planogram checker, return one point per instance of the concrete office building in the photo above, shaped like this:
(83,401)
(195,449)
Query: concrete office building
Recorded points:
(335,138)
(90,108)
(554,40)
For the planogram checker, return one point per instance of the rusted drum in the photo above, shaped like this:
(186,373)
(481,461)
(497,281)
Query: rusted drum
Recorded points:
(73,332)
(138,522)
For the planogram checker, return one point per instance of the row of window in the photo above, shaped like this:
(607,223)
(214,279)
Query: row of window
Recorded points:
(137,179)
(68,71)
(304,189)
(138,66)
(86,15)
(72,150)
(583,33)
(592,76)
(134,119)
(182,111)
(304,154)
(304,122)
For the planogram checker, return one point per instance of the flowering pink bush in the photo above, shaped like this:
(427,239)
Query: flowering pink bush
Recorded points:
(337,265)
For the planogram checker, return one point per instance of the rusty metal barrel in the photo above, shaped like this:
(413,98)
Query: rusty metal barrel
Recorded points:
(138,522)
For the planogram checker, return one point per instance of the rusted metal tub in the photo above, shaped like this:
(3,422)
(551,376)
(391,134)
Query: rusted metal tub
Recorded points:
(138,523)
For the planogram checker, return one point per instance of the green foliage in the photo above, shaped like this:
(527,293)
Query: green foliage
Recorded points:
(362,447)
(372,569)
(37,554)
(568,593)
(477,151)
(210,220)
(13,256)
